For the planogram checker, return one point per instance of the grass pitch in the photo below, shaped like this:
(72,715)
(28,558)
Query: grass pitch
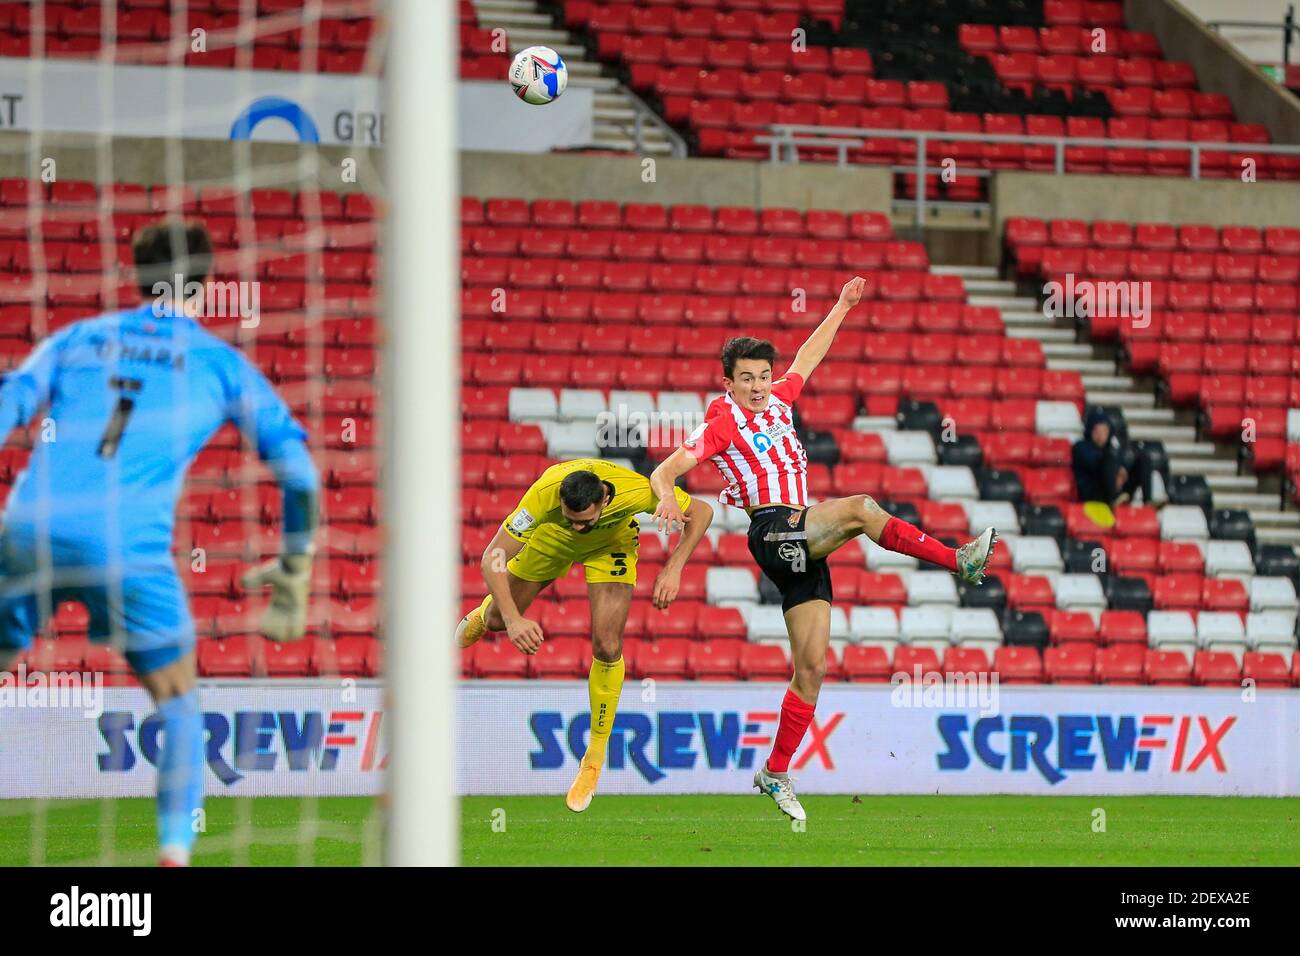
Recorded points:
(883,831)
(687,831)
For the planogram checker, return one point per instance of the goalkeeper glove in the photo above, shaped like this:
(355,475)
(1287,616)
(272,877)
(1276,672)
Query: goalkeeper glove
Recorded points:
(289,577)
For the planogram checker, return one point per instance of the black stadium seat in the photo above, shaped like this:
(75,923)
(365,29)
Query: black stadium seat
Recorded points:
(1127,594)
(1080,557)
(821,447)
(1043,520)
(1277,560)
(1025,629)
(1232,524)
(991,593)
(1191,490)
(998,485)
(965,451)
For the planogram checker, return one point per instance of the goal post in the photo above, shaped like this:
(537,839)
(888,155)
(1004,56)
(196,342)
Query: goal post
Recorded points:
(421,437)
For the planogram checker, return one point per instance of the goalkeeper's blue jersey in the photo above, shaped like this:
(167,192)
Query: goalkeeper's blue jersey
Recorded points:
(132,397)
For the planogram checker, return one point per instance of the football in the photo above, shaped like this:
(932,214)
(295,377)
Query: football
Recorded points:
(538,75)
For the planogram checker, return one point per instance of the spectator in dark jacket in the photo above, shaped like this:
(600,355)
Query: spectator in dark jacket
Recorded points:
(1105,470)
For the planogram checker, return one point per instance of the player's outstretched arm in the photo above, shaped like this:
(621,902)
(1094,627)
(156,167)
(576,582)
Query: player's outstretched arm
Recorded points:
(24,390)
(282,444)
(523,633)
(813,350)
(669,579)
(668,514)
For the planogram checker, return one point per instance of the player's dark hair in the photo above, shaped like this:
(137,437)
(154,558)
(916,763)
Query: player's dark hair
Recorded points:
(745,347)
(164,250)
(581,489)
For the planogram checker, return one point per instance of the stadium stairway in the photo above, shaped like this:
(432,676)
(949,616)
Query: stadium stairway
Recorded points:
(614,108)
(1107,385)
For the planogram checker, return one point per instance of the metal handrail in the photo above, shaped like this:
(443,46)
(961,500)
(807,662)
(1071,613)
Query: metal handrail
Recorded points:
(786,138)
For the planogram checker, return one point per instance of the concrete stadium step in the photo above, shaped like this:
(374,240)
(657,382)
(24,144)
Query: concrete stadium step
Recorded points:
(1276,519)
(985,287)
(1022,319)
(1084,366)
(1007,303)
(491,6)
(1043,334)
(1160,433)
(1252,501)
(1126,399)
(1070,351)
(1231,484)
(518,18)
(601,84)
(1156,416)
(1107,383)
(1185,449)
(969,272)
(1277,536)
(1203,466)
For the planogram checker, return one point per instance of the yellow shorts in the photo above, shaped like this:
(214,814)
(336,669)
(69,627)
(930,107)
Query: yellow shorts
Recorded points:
(552,550)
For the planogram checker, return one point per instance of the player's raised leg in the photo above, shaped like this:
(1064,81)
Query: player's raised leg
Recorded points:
(833,523)
(487,616)
(610,604)
(809,627)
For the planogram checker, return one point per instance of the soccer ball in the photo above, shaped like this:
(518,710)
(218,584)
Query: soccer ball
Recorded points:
(538,75)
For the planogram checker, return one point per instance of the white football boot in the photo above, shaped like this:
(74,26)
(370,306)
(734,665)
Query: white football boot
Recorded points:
(777,786)
(974,556)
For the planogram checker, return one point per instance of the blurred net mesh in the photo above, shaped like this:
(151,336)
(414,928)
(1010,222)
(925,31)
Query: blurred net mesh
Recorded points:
(300,225)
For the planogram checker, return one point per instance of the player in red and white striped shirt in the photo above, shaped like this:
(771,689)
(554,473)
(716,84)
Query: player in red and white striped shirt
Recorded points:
(749,434)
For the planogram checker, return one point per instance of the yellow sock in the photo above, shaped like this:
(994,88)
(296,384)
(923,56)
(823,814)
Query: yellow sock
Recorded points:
(604,683)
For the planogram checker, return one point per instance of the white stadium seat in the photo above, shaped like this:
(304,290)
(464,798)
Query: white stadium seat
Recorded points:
(1079,592)
(1293,425)
(1270,628)
(992,514)
(975,624)
(727,518)
(1228,559)
(1272,594)
(932,623)
(625,403)
(951,481)
(939,647)
(728,585)
(839,624)
(532,405)
(766,623)
(1219,627)
(882,559)
(1183,523)
(680,403)
(909,448)
(581,405)
(871,625)
(1170,627)
(571,440)
(1058,418)
(931,587)
(1034,553)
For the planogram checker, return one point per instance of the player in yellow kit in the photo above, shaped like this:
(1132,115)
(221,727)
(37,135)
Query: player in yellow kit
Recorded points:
(580,512)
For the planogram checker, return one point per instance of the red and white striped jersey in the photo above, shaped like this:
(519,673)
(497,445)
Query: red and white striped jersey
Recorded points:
(758,453)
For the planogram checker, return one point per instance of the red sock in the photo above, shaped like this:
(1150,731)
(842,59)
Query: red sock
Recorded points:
(796,715)
(910,540)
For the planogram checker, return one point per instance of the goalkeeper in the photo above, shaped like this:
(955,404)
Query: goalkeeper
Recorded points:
(128,399)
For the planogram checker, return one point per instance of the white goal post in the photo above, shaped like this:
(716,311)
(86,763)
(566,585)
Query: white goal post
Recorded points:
(421,401)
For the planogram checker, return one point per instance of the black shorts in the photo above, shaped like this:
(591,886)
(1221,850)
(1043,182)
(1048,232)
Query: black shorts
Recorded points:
(779,544)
